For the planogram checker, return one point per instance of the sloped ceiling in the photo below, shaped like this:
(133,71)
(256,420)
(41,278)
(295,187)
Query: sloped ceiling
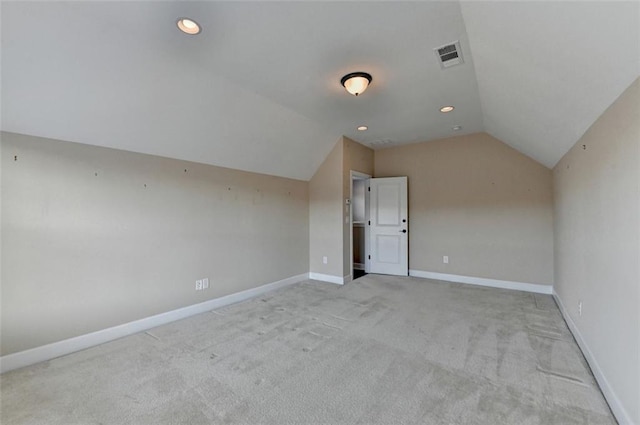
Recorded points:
(547,70)
(259,88)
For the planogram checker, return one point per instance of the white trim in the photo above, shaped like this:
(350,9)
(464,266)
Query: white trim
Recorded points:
(67,346)
(356,175)
(327,278)
(494,283)
(621,414)
(348,278)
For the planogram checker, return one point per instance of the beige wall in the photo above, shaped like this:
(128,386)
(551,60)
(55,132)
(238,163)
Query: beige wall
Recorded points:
(359,158)
(328,213)
(482,203)
(83,252)
(325,215)
(597,243)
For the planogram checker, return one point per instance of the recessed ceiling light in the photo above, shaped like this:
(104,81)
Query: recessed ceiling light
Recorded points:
(456,127)
(446,109)
(363,128)
(188,26)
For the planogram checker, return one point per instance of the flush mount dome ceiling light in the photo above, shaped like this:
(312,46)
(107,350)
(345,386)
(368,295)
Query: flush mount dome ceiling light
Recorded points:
(356,82)
(363,128)
(188,26)
(446,109)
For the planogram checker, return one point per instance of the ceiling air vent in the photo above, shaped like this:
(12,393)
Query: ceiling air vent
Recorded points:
(449,55)
(380,143)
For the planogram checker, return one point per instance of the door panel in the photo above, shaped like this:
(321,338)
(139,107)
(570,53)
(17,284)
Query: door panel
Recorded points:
(388,247)
(388,228)
(388,212)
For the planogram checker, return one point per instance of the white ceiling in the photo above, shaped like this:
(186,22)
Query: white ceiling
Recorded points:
(259,88)
(547,70)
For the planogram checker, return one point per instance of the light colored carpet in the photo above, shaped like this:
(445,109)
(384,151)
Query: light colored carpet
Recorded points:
(380,350)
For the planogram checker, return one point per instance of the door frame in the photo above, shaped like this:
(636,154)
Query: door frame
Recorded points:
(356,175)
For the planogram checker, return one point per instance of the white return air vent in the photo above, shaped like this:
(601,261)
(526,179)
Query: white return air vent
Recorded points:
(381,143)
(449,54)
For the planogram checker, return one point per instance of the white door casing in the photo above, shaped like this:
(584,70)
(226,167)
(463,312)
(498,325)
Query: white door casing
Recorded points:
(355,175)
(389,228)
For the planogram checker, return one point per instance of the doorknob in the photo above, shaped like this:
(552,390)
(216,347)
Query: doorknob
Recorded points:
(404,230)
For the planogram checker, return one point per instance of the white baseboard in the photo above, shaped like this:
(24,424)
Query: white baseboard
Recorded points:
(494,283)
(67,346)
(327,278)
(621,414)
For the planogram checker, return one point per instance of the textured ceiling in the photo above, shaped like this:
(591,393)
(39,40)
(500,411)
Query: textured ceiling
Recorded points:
(259,88)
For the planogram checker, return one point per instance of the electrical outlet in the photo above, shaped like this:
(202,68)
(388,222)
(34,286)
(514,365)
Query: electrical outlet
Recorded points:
(198,285)
(324,260)
(579,308)
(445,259)
(205,283)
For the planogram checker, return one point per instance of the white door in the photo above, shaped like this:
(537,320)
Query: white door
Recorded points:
(388,229)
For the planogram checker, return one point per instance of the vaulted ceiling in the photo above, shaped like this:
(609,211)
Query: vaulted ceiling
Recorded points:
(259,89)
